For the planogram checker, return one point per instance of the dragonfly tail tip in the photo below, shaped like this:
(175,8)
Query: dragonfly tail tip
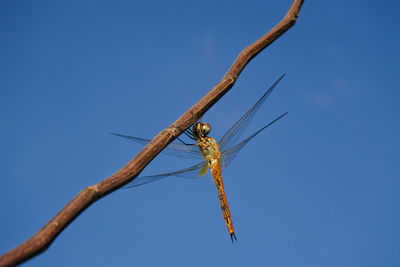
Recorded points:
(233,236)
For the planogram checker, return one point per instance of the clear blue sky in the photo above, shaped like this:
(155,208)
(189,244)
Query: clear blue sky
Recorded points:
(319,188)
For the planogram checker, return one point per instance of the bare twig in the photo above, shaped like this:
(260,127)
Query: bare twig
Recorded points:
(45,236)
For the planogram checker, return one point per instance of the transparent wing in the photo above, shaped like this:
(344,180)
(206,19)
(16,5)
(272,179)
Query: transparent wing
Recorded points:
(233,134)
(173,149)
(228,155)
(191,172)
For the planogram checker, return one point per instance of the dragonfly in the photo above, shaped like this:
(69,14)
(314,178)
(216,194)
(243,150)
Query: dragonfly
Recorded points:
(216,156)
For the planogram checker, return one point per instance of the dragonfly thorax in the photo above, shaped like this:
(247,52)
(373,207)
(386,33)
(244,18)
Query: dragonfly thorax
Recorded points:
(201,130)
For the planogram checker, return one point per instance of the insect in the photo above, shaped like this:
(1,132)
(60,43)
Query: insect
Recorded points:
(216,156)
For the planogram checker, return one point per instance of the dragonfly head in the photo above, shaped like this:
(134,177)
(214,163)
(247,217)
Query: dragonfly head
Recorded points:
(201,129)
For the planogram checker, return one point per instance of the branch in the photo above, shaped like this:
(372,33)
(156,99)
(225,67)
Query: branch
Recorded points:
(45,236)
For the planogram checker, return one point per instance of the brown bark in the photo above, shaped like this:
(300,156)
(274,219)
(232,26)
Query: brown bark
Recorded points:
(45,236)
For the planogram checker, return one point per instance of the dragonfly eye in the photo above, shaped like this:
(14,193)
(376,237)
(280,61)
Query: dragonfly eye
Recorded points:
(205,128)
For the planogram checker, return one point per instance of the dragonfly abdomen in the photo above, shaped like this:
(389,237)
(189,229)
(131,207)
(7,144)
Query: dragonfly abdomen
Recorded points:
(216,174)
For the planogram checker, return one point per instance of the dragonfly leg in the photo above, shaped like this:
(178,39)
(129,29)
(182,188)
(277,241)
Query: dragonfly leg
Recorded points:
(189,134)
(187,144)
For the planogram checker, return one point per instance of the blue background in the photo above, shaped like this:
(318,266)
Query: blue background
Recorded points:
(319,188)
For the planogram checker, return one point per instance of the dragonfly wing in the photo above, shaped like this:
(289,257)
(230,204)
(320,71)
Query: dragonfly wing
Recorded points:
(233,134)
(228,155)
(191,172)
(173,149)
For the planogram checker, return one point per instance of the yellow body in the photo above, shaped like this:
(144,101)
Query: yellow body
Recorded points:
(210,150)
